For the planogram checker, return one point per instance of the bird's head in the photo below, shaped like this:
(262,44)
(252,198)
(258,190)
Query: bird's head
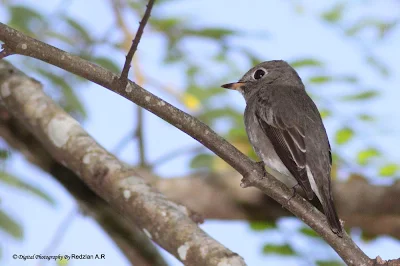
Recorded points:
(276,72)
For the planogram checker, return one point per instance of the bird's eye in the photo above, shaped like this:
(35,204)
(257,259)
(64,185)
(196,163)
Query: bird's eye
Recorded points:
(259,73)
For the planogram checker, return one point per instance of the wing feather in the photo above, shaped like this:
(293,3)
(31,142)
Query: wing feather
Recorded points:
(288,140)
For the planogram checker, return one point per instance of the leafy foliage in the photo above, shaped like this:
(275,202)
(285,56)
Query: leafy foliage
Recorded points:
(10,226)
(344,135)
(329,263)
(202,161)
(366,155)
(262,225)
(284,250)
(15,182)
(309,232)
(389,169)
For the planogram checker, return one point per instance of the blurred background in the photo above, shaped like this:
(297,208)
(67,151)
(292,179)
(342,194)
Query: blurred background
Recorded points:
(346,52)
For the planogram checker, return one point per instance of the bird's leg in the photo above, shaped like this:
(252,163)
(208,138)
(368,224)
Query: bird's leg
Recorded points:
(293,191)
(262,164)
(246,180)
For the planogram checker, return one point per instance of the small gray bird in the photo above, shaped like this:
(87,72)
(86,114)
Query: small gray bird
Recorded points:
(286,131)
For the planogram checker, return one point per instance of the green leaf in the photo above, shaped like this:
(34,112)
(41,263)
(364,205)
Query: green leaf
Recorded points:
(381,27)
(211,115)
(202,161)
(379,65)
(212,33)
(320,79)
(262,225)
(388,170)
(19,184)
(165,24)
(61,37)
(335,14)
(252,57)
(306,62)
(325,113)
(237,132)
(344,135)
(4,154)
(348,79)
(365,155)
(62,262)
(21,17)
(329,263)
(366,95)
(192,70)
(385,27)
(106,63)
(366,117)
(309,232)
(325,79)
(285,249)
(10,226)
(359,26)
(79,29)
(368,237)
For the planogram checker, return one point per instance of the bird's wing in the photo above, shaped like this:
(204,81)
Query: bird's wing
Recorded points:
(288,139)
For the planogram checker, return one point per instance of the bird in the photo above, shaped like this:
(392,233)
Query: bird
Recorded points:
(286,131)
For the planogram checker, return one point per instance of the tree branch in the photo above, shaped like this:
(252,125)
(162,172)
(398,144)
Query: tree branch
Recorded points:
(140,137)
(132,241)
(135,43)
(5,52)
(24,45)
(165,222)
(373,208)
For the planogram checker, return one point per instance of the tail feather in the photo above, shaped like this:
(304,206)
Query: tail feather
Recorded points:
(332,216)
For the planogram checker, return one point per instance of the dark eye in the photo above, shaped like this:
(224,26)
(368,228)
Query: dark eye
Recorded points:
(259,73)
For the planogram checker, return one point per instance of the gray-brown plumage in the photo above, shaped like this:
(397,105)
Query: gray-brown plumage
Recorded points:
(287,133)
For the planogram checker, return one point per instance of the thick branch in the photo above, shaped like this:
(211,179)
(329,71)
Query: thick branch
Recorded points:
(5,52)
(361,204)
(166,222)
(24,45)
(135,42)
(132,241)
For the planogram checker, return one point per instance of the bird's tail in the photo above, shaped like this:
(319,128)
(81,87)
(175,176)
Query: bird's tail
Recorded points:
(331,214)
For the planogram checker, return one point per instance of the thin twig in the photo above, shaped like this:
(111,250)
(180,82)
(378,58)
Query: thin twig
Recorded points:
(139,136)
(139,78)
(135,42)
(123,142)
(59,234)
(175,153)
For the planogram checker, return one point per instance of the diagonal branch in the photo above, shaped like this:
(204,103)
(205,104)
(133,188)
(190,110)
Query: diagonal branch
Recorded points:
(373,208)
(135,43)
(131,240)
(5,52)
(162,220)
(21,44)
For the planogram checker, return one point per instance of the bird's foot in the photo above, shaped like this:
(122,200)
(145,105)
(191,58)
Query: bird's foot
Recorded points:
(247,178)
(293,192)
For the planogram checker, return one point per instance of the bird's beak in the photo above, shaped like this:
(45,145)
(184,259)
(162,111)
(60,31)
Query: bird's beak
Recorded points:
(233,86)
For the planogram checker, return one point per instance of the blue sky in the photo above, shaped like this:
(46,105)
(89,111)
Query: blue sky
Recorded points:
(289,36)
